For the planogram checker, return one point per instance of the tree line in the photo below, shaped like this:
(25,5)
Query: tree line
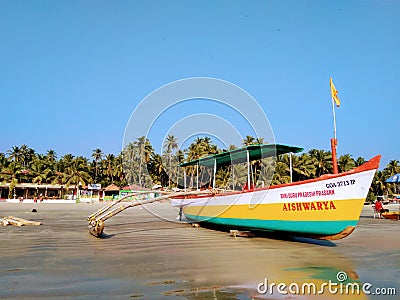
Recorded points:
(138,163)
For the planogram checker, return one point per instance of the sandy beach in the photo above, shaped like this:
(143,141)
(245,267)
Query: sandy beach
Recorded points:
(143,256)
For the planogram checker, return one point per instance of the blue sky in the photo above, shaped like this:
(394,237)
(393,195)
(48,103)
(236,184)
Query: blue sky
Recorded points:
(72,72)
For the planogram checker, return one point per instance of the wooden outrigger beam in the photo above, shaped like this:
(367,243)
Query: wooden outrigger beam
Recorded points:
(107,207)
(97,219)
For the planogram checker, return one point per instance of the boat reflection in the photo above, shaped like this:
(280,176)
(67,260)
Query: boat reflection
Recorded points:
(291,283)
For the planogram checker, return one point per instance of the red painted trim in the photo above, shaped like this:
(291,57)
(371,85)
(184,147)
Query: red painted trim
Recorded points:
(372,164)
(334,159)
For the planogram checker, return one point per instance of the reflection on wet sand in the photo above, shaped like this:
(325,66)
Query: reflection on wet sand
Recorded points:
(145,257)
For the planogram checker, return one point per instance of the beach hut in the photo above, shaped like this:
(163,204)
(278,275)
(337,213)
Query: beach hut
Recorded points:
(111,192)
(32,190)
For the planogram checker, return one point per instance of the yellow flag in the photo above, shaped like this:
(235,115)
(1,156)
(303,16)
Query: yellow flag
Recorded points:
(334,93)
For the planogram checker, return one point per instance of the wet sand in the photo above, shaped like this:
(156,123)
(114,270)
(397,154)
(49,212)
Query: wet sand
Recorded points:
(143,256)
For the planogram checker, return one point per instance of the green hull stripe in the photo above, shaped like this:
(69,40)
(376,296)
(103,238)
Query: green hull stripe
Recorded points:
(309,227)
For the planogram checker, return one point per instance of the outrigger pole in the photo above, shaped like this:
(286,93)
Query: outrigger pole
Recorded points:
(97,219)
(335,99)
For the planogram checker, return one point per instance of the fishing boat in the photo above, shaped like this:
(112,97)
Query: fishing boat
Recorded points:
(327,207)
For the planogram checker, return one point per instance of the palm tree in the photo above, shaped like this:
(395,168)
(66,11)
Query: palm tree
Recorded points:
(118,170)
(41,171)
(109,165)
(260,141)
(359,161)
(178,159)
(3,161)
(392,168)
(257,164)
(378,184)
(97,155)
(28,155)
(322,160)
(302,166)
(11,174)
(232,147)
(170,145)
(136,157)
(77,172)
(64,162)
(201,147)
(51,155)
(269,172)
(249,140)
(15,154)
(146,151)
(158,174)
(239,176)
(345,163)
(129,162)
(281,174)
(223,177)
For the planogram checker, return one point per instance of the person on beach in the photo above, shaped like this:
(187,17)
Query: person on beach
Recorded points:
(379,206)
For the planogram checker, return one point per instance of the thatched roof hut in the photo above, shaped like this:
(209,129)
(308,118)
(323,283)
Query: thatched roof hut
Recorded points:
(111,190)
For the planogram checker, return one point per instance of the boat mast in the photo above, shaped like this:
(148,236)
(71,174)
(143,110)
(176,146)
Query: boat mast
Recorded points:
(334,140)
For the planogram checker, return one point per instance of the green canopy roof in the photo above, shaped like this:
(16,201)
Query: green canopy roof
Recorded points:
(258,151)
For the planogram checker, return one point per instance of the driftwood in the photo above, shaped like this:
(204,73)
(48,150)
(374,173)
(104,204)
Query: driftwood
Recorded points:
(4,222)
(11,220)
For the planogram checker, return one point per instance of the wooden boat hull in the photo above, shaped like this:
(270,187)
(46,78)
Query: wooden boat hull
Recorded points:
(322,207)
(394,215)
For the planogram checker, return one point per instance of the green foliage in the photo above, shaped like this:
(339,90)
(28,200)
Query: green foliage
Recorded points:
(139,164)
(370,197)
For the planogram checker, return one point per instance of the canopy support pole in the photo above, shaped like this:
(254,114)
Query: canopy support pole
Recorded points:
(248,169)
(197,180)
(184,179)
(215,172)
(233,177)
